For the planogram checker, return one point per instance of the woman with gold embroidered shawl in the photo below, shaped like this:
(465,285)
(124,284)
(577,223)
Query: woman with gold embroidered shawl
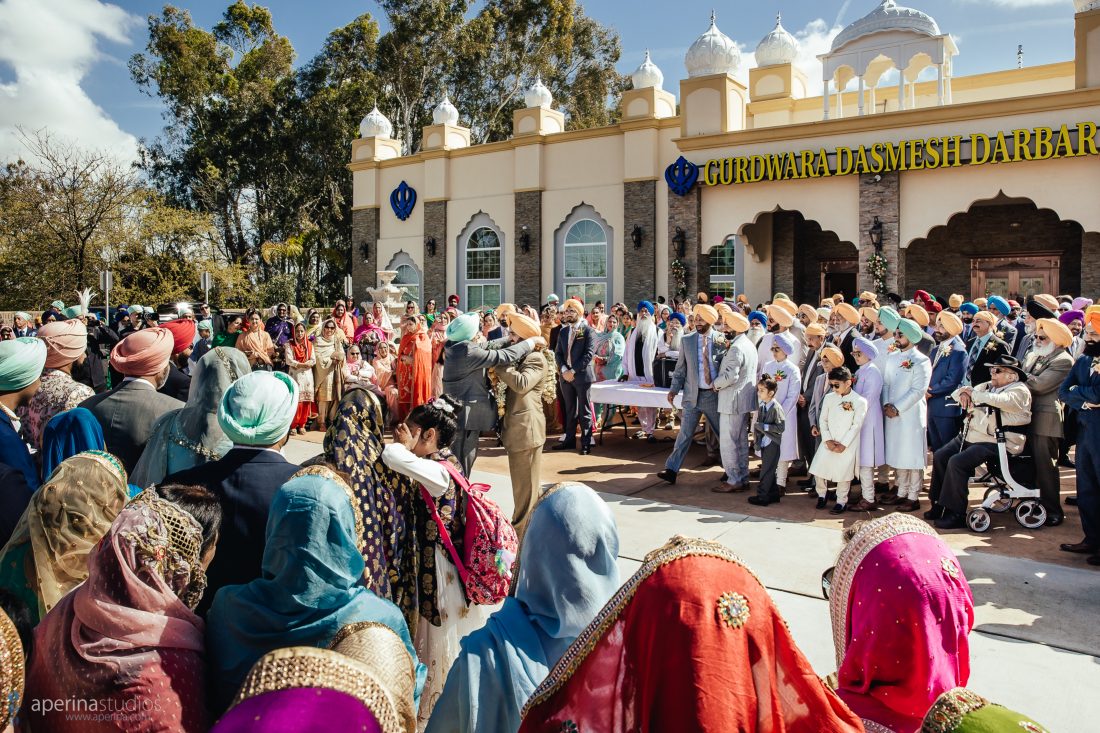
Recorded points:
(692,642)
(127,638)
(191,435)
(897,577)
(47,555)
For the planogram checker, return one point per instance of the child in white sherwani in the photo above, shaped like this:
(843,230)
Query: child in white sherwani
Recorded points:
(840,422)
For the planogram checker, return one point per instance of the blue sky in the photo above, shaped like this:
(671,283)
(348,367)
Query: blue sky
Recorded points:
(63,62)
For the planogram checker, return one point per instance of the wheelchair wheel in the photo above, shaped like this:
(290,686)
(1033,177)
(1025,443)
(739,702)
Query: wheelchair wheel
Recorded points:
(1031,514)
(1000,503)
(978,520)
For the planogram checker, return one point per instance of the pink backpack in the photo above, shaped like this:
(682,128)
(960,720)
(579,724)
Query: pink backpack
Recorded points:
(489,544)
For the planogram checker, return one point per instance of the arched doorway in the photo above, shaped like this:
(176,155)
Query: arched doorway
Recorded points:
(1005,246)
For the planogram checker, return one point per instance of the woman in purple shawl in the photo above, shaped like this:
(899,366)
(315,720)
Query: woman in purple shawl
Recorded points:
(872,450)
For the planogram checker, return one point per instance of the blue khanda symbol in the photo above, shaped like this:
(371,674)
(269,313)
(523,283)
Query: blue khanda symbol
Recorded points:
(681,176)
(403,200)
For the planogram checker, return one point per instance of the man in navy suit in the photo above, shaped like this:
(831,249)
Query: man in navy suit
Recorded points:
(21,364)
(574,351)
(948,369)
(255,414)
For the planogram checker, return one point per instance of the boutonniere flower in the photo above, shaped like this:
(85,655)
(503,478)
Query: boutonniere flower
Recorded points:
(991,347)
(847,406)
(779,375)
(907,364)
(946,350)
(1001,335)
(892,348)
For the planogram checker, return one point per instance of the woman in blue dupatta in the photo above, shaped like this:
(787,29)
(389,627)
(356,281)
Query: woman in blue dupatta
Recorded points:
(309,588)
(68,434)
(557,594)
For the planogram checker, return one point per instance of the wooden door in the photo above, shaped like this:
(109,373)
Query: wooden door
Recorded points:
(1014,277)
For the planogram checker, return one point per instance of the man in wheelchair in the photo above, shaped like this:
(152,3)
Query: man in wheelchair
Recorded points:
(954,464)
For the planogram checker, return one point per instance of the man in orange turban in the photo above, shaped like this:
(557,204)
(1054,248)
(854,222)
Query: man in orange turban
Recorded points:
(574,351)
(948,370)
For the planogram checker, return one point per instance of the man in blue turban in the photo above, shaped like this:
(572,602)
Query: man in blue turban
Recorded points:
(21,364)
(255,413)
(967,311)
(1005,331)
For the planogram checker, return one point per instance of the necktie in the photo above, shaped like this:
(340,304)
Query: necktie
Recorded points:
(569,351)
(706,361)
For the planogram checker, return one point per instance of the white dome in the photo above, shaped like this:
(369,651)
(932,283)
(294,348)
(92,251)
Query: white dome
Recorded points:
(445,113)
(1086,5)
(375,124)
(778,47)
(647,75)
(538,95)
(712,53)
(888,16)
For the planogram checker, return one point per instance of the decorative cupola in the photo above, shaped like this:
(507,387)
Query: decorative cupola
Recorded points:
(538,118)
(375,138)
(647,98)
(445,133)
(775,77)
(712,101)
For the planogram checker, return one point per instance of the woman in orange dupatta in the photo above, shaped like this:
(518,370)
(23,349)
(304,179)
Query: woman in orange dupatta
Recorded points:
(438,334)
(692,642)
(414,367)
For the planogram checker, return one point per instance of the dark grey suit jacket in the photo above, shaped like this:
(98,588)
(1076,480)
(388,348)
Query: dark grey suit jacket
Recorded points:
(465,380)
(127,414)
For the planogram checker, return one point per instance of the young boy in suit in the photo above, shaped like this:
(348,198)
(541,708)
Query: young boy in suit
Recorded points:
(768,432)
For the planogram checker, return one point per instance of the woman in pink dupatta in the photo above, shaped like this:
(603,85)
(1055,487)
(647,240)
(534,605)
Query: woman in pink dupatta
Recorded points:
(127,641)
(902,612)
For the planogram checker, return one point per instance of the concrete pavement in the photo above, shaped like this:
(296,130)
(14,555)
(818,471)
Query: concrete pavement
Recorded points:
(1034,646)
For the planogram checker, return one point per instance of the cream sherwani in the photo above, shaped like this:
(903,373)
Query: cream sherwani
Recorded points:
(841,419)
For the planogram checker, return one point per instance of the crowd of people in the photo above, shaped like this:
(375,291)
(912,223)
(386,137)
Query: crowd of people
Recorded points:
(165,567)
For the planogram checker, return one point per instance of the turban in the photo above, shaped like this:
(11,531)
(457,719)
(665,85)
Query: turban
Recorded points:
(463,328)
(645,305)
(21,363)
(206,325)
(824,313)
(809,311)
(980,302)
(987,317)
(1092,309)
(65,342)
(148,311)
(1092,318)
(58,305)
(258,408)
(1070,316)
(677,316)
(910,330)
(1056,331)
(551,298)
(785,342)
(183,334)
(888,317)
(701,297)
(718,299)
(816,329)
(706,312)
(1037,310)
(955,300)
(968,307)
(1013,304)
(504,309)
(572,304)
(786,304)
(866,347)
(918,314)
(950,323)
(779,296)
(722,309)
(847,312)
(524,326)
(1079,304)
(923,296)
(143,352)
(759,316)
(833,355)
(779,315)
(871,314)
(1048,301)
(742,298)
(868,295)
(996,301)
(736,322)
(135,310)
(74,311)
(827,303)
(24,315)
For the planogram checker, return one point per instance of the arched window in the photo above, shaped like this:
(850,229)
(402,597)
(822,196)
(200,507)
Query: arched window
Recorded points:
(408,279)
(723,270)
(483,269)
(583,256)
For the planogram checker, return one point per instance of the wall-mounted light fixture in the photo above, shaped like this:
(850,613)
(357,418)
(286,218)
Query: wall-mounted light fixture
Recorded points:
(876,234)
(525,239)
(364,250)
(429,242)
(680,240)
(636,236)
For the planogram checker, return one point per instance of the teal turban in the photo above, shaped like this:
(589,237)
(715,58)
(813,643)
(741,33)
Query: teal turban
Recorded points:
(59,305)
(910,330)
(258,408)
(889,318)
(24,315)
(21,363)
(135,310)
(74,311)
(463,328)
(206,325)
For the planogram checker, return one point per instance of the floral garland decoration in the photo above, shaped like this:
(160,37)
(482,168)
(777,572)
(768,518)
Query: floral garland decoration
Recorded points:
(877,268)
(679,277)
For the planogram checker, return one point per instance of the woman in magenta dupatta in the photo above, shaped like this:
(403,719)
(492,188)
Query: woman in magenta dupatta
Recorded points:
(127,640)
(902,611)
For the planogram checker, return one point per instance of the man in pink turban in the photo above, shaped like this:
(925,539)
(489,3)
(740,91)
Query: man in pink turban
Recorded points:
(66,343)
(128,411)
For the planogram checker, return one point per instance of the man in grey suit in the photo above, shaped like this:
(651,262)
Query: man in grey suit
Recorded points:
(1047,366)
(699,365)
(736,385)
(465,379)
(811,370)
(128,411)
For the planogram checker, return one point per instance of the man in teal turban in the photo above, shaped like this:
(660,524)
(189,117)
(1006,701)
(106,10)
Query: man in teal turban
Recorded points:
(255,413)
(21,364)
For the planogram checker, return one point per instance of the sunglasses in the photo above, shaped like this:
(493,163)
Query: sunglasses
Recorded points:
(776,348)
(1041,339)
(836,385)
(998,370)
(330,328)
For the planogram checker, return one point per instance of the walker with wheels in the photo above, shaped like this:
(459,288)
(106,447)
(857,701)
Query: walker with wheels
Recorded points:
(1005,493)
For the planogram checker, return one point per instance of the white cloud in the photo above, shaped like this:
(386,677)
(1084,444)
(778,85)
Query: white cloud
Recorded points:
(50,46)
(815,38)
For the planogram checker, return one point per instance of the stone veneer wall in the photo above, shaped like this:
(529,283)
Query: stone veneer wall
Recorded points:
(528,281)
(882,199)
(783,230)
(364,231)
(435,268)
(640,266)
(686,212)
(1090,275)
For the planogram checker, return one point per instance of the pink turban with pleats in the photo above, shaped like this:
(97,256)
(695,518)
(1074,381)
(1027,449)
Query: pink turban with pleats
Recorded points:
(65,342)
(143,352)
